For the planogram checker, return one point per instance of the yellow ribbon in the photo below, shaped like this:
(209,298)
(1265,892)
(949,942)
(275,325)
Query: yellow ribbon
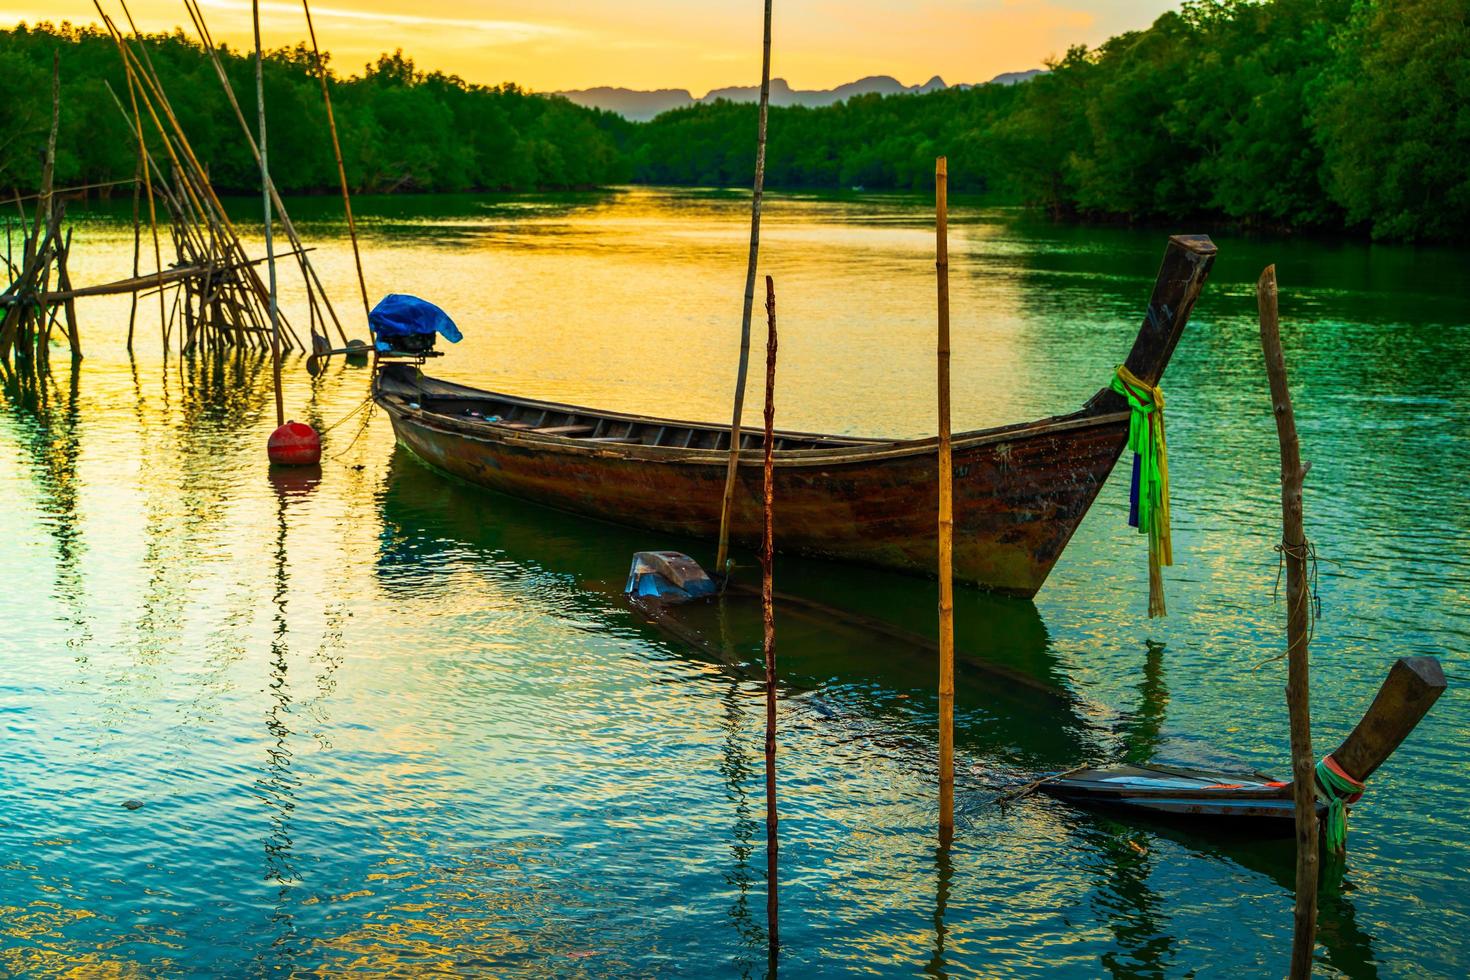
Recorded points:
(1146,438)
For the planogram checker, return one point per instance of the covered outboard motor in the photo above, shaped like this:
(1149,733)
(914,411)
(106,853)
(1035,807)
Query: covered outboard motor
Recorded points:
(408,325)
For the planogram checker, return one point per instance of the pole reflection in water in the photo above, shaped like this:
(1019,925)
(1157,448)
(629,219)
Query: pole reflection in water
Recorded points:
(277,785)
(51,428)
(943,874)
(735,766)
(1141,732)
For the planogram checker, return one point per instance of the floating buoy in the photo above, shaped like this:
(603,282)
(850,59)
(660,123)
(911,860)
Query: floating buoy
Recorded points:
(294,444)
(357,352)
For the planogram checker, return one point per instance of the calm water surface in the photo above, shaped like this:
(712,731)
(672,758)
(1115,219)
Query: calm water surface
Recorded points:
(385,723)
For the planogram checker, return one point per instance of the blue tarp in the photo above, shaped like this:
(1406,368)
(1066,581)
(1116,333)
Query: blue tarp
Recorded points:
(400,315)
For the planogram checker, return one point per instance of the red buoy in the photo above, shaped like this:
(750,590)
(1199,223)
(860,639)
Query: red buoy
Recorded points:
(294,444)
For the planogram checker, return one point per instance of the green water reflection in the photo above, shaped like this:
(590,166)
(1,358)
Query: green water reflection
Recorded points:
(382,722)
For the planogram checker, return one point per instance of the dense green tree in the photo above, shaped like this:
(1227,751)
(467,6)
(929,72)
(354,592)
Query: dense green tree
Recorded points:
(1288,114)
(1393,118)
(401,129)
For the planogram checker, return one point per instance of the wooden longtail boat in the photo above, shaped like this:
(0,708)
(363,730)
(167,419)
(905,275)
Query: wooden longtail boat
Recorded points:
(1020,490)
(1253,802)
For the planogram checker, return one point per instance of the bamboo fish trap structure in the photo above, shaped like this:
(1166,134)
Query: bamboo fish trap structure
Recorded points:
(30,305)
(218,298)
(211,296)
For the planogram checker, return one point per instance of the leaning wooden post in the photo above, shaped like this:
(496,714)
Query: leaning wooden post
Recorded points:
(48,164)
(768,616)
(137,244)
(321,71)
(1298,615)
(265,194)
(946,516)
(722,554)
(137,120)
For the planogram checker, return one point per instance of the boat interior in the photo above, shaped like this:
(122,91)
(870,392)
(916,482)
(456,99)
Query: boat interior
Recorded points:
(467,405)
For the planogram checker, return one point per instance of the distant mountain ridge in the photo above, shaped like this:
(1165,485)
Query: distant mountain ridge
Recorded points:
(641,106)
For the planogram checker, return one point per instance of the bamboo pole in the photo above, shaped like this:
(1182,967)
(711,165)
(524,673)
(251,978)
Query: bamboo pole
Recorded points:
(946,516)
(147,175)
(194,177)
(722,554)
(151,170)
(265,197)
(48,165)
(308,271)
(321,71)
(68,305)
(1298,701)
(768,617)
(137,244)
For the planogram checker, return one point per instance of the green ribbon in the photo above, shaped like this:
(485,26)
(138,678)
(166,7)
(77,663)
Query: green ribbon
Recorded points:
(1337,791)
(1146,438)
(1153,481)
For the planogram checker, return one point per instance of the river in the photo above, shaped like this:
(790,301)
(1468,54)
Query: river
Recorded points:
(391,724)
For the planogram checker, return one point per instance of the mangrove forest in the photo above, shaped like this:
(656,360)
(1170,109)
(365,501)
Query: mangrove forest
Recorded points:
(1347,116)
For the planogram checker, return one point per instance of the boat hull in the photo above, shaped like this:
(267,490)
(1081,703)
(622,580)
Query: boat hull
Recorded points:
(1018,498)
(1020,491)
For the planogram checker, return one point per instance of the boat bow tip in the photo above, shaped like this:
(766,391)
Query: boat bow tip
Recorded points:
(1198,244)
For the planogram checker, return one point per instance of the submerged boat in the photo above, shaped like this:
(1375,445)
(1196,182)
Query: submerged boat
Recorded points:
(1252,802)
(1020,490)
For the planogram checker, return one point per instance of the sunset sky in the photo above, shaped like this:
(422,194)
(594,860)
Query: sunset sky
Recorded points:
(694,44)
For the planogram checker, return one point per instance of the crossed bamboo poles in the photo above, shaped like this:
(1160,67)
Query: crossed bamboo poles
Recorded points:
(228,302)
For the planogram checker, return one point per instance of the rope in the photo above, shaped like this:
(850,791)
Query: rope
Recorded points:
(1339,791)
(1150,492)
(366,421)
(1311,597)
(363,404)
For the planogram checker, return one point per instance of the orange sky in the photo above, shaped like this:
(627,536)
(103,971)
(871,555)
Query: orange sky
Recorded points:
(561,44)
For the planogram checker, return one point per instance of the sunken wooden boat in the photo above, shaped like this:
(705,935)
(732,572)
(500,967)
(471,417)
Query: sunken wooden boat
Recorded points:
(1020,490)
(1251,802)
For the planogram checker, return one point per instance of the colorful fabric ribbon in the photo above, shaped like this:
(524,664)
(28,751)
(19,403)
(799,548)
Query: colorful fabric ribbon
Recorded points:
(1339,791)
(1150,493)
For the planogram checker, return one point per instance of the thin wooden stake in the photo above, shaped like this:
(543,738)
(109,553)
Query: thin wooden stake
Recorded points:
(133,86)
(68,305)
(48,166)
(946,516)
(768,617)
(265,196)
(722,554)
(137,244)
(1298,625)
(137,118)
(194,178)
(314,285)
(321,71)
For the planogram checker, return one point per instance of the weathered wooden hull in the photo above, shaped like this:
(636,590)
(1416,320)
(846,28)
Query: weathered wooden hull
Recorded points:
(1018,497)
(1020,491)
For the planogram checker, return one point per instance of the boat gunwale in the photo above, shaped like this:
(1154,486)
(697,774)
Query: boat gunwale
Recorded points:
(864,451)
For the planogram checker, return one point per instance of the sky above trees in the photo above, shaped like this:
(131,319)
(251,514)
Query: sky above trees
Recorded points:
(549,45)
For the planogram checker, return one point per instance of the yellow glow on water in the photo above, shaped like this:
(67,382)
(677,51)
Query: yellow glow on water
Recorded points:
(631,301)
